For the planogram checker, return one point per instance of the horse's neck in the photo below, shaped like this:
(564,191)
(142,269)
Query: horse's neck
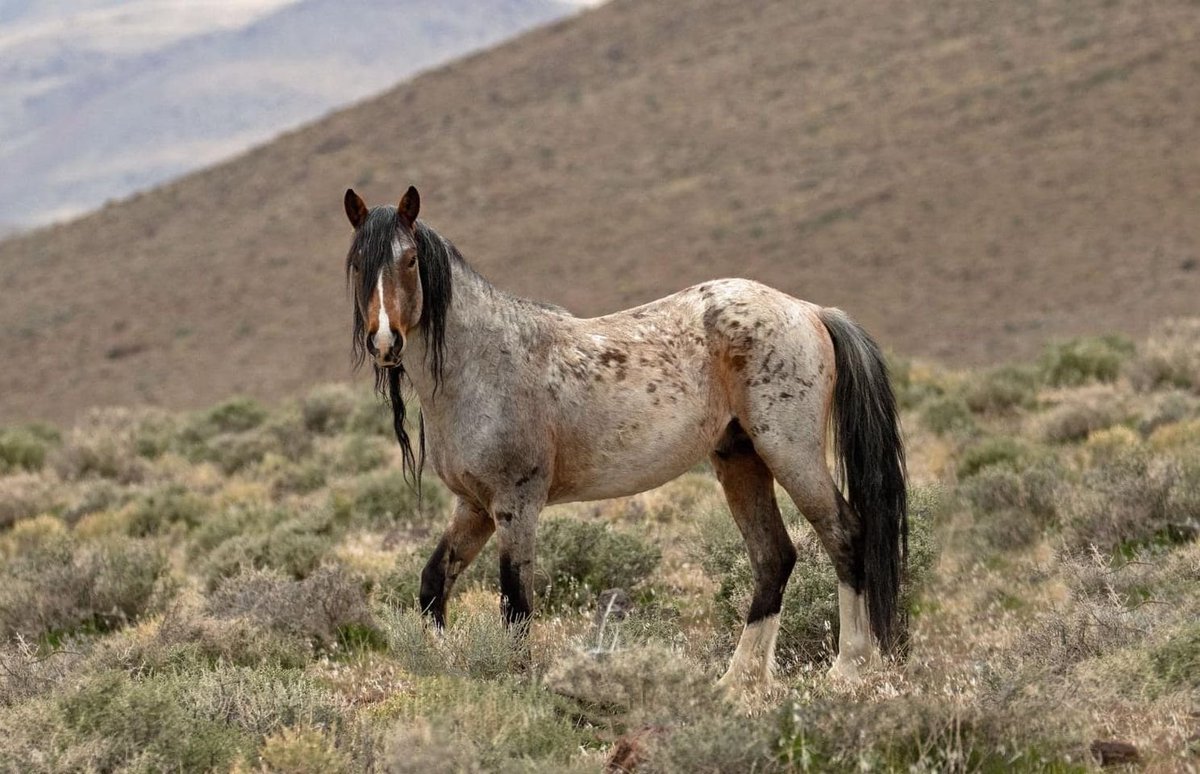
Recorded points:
(474,316)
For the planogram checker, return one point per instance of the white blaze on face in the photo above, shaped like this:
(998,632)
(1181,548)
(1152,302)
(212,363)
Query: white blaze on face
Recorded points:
(383,336)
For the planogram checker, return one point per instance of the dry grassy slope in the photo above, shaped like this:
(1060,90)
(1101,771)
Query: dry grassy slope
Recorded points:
(967,179)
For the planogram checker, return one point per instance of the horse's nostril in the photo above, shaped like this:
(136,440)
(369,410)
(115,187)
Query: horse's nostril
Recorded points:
(371,345)
(397,340)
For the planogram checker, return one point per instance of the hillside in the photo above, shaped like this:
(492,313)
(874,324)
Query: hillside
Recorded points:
(129,103)
(969,180)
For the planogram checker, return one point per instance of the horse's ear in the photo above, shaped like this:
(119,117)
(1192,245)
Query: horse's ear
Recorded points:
(356,210)
(410,205)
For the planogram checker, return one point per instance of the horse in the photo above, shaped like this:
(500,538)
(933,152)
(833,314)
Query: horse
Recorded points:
(523,405)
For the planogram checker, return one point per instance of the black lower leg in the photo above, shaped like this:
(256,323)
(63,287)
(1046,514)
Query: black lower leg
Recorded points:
(515,602)
(433,583)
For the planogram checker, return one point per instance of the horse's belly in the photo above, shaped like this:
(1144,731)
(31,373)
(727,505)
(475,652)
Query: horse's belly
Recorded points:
(632,457)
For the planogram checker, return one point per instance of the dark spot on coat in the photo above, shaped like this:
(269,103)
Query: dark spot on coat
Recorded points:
(651,387)
(504,516)
(523,480)
(613,356)
(786,396)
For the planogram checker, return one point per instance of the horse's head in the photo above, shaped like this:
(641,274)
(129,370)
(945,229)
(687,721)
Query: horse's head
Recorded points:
(384,275)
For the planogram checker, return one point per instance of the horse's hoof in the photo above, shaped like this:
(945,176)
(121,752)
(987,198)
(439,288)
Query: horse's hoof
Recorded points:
(845,672)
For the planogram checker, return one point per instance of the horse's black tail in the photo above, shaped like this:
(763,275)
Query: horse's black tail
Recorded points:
(870,454)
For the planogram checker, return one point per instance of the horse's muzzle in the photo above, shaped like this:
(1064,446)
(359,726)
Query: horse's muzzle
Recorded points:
(390,357)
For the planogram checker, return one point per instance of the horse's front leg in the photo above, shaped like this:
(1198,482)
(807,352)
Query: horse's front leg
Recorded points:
(469,530)
(516,528)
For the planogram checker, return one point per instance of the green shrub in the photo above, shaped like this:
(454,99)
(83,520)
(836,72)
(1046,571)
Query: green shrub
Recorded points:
(1171,358)
(578,559)
(1014,508)
(103,445)
(187,638)
(363,453)
(947,414)
(637,686)
(474,644)
(1079,361)
(115,721)
(386,500)
(155,434)
(156,511)
(23,448)
(328,409)
(497,725)
(1176,661)
(305,750)
(1073,422)
(299,478)
(52,586)
(236,415)
(997,450)
(319,609)
(293,545)
(1130,498)
(1002,389)
(23,495)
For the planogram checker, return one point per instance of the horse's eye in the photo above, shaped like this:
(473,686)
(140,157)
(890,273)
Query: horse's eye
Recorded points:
(412,260)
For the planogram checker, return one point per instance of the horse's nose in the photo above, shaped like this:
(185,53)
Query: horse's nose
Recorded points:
(385,339)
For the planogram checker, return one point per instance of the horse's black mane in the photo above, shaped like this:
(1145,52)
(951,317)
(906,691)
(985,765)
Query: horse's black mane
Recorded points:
(369,253)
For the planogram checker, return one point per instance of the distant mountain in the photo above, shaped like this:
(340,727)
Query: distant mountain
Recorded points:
(114,97)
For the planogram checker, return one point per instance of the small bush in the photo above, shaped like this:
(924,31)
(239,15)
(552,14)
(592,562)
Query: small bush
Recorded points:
(947,414)
(23,448)
(25,495)
(114,721)
(305,750)
(1073,422)
(1176,661)
(186,638)
(234,416)
(1014,508)
(578,559)
(634,687)
(155,434)
(1079,361)
(294,546)
(997,450)
(51,586)
(320,608)
(1001,390)
(1171,358)
(386,500)
(362,454)
(474,644)
(493,725)
(913,384)
(1131,497)
(328,409)
(102,446)
(156,511)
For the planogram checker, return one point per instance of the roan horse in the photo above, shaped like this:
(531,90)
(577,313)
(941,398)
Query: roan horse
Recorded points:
(524,405)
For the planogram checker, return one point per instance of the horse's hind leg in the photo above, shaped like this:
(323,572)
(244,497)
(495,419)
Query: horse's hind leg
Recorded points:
(469,530)
(802,472)
(749,489)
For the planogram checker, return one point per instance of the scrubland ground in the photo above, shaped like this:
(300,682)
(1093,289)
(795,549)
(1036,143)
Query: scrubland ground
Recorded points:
(235,590)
